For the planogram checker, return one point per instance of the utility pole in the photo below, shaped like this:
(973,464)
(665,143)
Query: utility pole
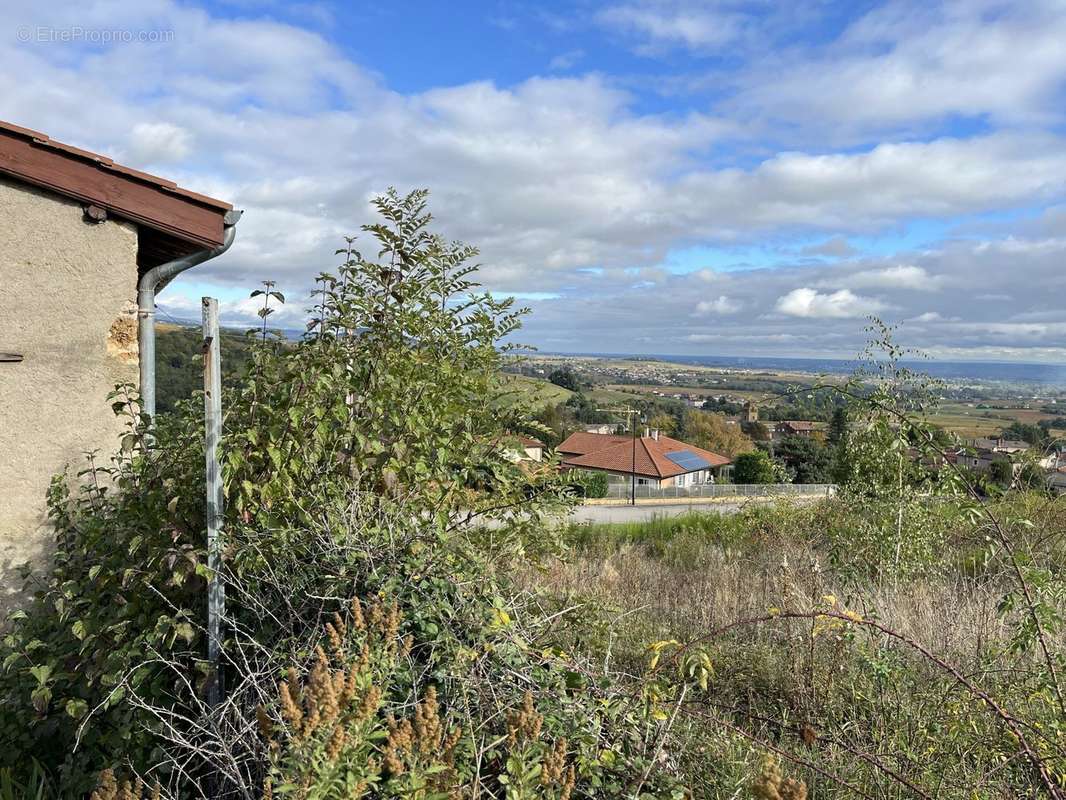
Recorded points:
(633,431)
(216,591)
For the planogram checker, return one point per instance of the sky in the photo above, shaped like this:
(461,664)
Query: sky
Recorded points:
(648,176)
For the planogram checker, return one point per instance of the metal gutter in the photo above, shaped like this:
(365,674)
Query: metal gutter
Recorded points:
(155,280)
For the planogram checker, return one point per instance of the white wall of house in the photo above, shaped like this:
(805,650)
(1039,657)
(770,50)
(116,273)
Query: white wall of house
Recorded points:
(687,480)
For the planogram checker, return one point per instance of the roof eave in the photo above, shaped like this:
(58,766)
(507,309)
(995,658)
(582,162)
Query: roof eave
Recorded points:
(146,200)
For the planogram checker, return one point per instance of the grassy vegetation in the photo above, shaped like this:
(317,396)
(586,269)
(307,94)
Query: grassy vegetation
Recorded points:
(969,421)
(964,419)
(607,396)
(844,705)
(536,390)
(36,786)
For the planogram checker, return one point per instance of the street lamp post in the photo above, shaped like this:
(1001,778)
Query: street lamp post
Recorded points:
(628,412)
(633,474)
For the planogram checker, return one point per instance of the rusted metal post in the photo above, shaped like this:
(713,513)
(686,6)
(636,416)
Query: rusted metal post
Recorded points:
(216,592)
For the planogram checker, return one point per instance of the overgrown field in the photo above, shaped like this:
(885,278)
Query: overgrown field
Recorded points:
(850,709)
(407,619)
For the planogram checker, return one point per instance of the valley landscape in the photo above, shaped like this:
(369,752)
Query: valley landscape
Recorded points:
(614,400)
(970,405)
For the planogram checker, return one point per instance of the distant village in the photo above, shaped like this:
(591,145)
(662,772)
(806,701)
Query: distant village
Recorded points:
(734,396)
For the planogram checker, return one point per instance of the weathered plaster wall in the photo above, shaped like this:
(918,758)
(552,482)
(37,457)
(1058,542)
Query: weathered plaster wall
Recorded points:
(68,305)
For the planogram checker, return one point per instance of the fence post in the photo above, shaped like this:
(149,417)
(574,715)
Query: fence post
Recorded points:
(216,592)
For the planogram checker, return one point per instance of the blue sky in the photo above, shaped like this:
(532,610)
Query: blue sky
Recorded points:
(648,175)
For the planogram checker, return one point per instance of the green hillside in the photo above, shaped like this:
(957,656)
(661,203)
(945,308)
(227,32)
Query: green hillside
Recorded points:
(179,362)
(542,392)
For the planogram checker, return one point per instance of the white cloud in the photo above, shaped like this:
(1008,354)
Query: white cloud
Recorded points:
(842,304)
(720,305)
(1016,330)
(158,142)
(659,23)
(902,276)
(547,176)
(567,183)
(567,60)
(904,64)
(242,312)
(834,247)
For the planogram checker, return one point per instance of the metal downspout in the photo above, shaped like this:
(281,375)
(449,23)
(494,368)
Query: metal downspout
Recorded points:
(151,282)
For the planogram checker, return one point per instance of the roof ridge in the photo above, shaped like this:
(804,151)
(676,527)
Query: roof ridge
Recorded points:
(38,139)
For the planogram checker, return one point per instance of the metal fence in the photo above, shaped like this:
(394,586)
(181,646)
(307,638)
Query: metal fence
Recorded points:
(622,490)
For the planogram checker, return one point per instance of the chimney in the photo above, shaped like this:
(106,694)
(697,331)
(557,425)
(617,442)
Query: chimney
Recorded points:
(655,434)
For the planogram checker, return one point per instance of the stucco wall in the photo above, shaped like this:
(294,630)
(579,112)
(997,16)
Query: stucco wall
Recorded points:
(67,304)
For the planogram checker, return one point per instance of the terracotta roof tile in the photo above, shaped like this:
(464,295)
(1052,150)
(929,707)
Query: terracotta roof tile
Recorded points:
(800,425)
(583,442)
(617,454)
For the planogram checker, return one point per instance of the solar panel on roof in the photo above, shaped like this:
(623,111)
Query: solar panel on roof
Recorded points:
(688,460)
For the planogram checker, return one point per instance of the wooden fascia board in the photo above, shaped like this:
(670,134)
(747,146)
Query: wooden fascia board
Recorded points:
(124,195)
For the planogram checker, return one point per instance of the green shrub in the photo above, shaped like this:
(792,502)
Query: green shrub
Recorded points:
(589,483)
(753,467)
(359,466)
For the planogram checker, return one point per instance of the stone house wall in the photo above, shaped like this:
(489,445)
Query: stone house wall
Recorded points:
(68,291)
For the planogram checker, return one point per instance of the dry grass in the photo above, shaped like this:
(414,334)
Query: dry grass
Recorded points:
(854,708)
(953,616)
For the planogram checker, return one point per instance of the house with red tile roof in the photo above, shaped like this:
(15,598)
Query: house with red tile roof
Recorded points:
(796,427)
(655,460)
(524,448)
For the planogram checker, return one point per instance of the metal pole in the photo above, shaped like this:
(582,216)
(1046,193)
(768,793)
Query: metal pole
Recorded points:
(216,592)
(153,282)
(146,348)
(633,477)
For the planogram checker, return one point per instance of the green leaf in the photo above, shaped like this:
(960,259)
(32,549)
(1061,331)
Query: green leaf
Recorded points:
(42,672)
(76,708)
(185,631)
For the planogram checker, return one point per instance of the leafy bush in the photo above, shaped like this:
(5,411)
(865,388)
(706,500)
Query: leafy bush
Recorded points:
(589,483)
(362,470)
(806,458)
(565,377)
(753,467)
